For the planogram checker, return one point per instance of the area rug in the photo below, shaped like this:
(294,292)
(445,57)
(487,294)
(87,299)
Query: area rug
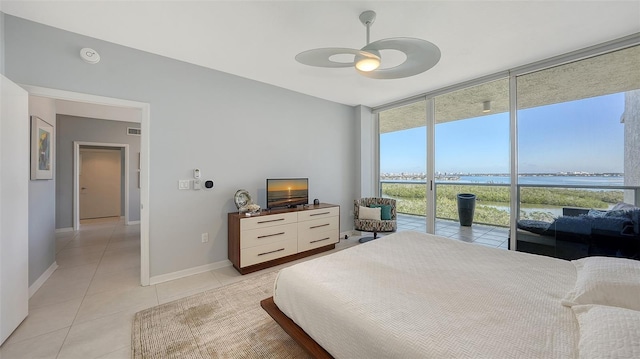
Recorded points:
(226,322)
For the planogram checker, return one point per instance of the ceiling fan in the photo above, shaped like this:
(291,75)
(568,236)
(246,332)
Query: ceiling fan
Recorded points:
(421,55)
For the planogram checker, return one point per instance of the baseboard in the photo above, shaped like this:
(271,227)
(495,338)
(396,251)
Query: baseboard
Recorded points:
(43,278)
(187,272)
(68,229)
(131,223)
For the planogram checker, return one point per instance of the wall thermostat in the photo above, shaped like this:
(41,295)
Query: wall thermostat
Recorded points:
(196,173)
(89,55)
(208,184)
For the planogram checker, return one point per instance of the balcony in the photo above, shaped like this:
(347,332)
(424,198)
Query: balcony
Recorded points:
(492,214)
(486,235)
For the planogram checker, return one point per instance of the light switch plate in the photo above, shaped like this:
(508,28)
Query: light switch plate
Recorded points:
(184,184)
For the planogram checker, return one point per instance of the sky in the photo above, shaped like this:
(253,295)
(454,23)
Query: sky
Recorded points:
(584,135)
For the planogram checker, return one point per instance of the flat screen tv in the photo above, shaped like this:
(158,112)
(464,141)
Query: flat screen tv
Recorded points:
(287,192)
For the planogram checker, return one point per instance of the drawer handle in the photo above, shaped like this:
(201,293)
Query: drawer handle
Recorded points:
(271,235)
(319,240)
(318,214)
(318,226)
(273,220)
(277,250)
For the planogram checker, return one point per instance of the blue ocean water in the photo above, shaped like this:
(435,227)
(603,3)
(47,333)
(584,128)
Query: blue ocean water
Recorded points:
(546,180)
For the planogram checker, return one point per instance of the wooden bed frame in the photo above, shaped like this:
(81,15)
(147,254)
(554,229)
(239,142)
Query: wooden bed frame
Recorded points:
(295,332)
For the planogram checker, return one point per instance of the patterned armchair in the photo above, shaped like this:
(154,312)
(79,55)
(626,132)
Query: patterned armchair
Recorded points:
(370,225)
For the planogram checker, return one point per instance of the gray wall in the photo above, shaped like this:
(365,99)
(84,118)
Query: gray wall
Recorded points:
(42,204)
(237,131)
(1,40)
(72,128)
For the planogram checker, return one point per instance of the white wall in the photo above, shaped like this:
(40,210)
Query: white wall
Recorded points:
(14,203)
(237,131)
(42,203)
(367,151)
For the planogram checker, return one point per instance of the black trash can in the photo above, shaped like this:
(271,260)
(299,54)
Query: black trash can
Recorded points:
(466,206)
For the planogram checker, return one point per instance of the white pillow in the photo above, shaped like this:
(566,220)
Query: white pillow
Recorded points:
(607,332)
(623,206)
(607,281)
(369,213)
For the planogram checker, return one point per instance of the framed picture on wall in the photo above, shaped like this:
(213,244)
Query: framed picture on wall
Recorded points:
(42,149)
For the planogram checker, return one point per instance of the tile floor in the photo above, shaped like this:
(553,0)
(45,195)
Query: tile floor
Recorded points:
(85,309)
(478,233)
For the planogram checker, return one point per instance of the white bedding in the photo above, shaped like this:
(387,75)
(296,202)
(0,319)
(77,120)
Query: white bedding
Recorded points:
(415,295)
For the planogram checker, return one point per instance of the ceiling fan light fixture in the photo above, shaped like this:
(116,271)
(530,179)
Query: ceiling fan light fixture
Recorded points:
(368,64)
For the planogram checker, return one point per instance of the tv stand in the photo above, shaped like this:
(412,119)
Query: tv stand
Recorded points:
(281,235)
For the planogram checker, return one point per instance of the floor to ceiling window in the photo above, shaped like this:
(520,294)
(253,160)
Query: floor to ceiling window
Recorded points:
(472,152)
(578,147)
(573,142)
(403,153)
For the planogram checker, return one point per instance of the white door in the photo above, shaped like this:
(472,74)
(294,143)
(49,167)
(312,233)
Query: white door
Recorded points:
(14,206)
(100,183)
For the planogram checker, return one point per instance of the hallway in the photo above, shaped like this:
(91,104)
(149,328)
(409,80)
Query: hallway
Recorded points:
(84,309)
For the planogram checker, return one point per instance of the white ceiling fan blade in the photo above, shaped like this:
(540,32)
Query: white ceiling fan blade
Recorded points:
(321,57)
(421,56)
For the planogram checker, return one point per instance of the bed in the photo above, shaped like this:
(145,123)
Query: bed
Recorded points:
(415,295)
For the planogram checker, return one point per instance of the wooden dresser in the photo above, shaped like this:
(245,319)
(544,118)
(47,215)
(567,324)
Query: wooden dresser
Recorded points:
(279,236)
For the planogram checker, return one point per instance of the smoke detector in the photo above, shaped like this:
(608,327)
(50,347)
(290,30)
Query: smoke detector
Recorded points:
(89,55)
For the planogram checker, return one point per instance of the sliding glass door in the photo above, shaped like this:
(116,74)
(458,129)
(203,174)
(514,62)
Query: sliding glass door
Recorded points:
(403,159)
(472,157)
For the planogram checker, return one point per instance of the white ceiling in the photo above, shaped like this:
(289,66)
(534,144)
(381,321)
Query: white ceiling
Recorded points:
(259,39)
(103,112)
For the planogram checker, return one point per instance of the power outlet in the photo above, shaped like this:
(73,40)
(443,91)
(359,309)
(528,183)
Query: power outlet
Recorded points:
(205,237)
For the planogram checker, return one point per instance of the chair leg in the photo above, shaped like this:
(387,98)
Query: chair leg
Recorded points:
(367,239)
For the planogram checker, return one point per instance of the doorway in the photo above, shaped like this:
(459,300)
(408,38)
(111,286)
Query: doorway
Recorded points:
(102,182)
(96,156)
(145,120)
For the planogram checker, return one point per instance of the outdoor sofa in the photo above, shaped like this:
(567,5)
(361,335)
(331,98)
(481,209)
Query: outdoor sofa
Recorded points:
(581,232)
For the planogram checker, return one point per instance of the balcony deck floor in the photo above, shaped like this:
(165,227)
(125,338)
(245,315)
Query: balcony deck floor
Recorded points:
(487,235)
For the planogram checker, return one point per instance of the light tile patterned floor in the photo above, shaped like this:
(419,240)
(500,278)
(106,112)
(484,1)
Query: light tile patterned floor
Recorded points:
(491,236)
(85,309)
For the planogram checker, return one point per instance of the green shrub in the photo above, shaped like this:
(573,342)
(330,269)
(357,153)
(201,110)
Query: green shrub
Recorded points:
(411,200)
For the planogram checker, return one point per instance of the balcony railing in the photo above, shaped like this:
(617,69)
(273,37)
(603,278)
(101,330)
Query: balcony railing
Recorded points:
(535,201)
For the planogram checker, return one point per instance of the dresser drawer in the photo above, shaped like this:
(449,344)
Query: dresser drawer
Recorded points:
(317,239)
(266,235)
(267,252)
(267,221)
(318,213)
(317,225)
(314,233)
